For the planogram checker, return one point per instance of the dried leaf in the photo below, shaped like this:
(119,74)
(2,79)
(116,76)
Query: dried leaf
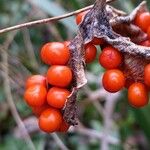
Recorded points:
(77,61)
(70,110)
(133,68)
(79,80)
(100,23)
(96,24)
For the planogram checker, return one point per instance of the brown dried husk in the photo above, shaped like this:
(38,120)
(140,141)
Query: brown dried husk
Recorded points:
(117,30)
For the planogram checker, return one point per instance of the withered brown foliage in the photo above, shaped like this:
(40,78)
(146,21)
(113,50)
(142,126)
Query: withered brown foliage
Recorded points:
(116,29)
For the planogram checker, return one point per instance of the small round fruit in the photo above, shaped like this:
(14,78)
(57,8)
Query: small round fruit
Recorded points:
(113,80)
(38,110)
(137,95)
(80,17)
(60,76)
(147,75)
(97,41)
(64,127)
(145,43)
(36,80)
(50,120)
(90,53)
(57,97)
(35,95)
(143,20)
(55,53)
(110,58)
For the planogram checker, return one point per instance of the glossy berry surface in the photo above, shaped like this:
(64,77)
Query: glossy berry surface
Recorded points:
(35,95)
(143,20)
(110,58)
(90,53)
(113,80)
(55,53)
(57,97)
(60,76)
(80,17)
(137,95)
(147,75)
(36,80)
(50,120)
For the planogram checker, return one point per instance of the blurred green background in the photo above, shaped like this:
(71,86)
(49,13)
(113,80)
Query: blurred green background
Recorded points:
(126,127)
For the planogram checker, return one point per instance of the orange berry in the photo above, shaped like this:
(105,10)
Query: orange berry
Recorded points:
(50,120)
(113,80)
(137,95)
(36,80)
(55,53)
(57,97)
(147,75)
(90,53)
(35,95)
(60,76)
(110,58)
(80,17)
(143,20)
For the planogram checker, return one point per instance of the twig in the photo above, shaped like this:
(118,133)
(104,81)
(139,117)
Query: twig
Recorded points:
(129,18)
(94,134)
(10,99)
(29,48)
(59,142)
(10,39)
(93,97)
(7,89)
(47,20)
(52,29)
(108,112)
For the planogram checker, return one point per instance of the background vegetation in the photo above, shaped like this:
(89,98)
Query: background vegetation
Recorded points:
(101,114)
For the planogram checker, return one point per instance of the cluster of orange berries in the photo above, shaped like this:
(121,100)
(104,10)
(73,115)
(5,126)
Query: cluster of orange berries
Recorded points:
(143,21)
(47,95)
(114,79)
(111,59)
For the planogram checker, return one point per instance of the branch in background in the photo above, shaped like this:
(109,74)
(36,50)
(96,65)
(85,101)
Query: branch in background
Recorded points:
(108,114)
(94,96)
(7,90)
(59,142)
(10,101)
(29,48)
(51,28)
(94,134)
(43,21)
